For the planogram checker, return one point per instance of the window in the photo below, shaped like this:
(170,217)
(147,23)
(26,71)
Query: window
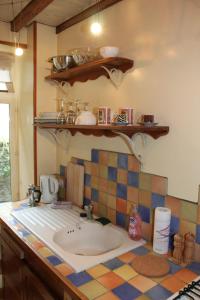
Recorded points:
(4,79)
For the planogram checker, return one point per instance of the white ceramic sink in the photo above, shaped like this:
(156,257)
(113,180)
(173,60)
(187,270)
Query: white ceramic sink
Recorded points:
(81,243)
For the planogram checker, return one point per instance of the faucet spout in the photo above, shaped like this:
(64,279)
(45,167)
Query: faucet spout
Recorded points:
(89,210)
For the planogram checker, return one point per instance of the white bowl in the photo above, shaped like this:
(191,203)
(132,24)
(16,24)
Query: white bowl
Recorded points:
(109,51)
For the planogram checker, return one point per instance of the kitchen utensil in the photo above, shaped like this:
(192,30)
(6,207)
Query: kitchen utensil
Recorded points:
(62,62)
(49,187)
(75,183)
(86,117)
(109,51)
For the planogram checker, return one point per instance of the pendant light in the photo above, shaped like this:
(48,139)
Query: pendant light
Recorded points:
(18,50)
(96,26)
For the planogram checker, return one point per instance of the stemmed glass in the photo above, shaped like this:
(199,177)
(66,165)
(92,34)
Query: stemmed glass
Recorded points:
(61,118)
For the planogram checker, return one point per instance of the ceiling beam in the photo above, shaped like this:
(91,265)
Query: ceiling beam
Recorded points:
(90,11)
(29,12)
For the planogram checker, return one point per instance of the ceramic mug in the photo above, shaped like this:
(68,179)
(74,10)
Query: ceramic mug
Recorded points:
(129,112)
(148,118)
(104,115)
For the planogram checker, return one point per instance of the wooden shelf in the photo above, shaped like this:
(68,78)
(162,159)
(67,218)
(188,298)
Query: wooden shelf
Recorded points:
(92,70)
(109,130)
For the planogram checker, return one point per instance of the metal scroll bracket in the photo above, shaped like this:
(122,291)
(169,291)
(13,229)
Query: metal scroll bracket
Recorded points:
(57,137)
(116,76)
(131,143)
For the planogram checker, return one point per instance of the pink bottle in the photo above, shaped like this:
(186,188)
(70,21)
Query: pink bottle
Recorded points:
(135,225)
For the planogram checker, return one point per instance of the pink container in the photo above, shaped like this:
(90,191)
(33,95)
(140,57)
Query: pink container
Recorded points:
(104,115)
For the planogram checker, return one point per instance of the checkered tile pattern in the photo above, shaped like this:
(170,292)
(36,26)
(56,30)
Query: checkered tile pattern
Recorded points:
(115,279)
(114,182)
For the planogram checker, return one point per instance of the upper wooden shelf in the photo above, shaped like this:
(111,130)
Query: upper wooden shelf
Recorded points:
(109,130)
(92,70)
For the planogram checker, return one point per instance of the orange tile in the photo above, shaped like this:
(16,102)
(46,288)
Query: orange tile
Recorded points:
(173,284)
(88,167)
(127,257)
(95,208)
(174,204)
(145,198)
(103,157)
(108,296)
(132,194)
(103,185)
(133,163)
(197,252)
(103,198)
(110,280)
(159,185)
(64,269)
(95,182)
(121,205)
(95,169)
(122,176)
(198,215)
(185,275)
(111,215)
(112,188)
(112,201)
(142,283)
(37,245)
(87,192)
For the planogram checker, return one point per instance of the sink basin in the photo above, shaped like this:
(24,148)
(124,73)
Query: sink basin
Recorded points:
(89,239)
(79,242)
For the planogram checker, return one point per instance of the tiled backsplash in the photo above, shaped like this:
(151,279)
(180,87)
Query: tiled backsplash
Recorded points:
(113,181)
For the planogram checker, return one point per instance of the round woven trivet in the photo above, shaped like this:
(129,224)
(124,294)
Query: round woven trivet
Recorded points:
(151,265)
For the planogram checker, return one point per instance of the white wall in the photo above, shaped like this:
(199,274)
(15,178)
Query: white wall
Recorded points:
(46,97)
(9,36)
(163,38)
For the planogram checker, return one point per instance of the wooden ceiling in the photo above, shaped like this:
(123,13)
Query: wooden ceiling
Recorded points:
(58,13)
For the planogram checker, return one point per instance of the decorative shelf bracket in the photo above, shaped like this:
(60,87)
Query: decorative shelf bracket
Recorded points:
(131,143)
(116,76)
(54,134)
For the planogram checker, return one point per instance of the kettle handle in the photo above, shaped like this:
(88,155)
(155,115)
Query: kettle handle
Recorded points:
(55,184)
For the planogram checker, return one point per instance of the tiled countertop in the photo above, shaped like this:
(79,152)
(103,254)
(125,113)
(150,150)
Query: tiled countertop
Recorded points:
(112,280)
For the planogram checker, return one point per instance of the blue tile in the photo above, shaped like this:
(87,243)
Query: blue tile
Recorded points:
(113,263)
(86,201)
(194,267)
(87,179)
(174,225)
(133,178)
(174,268)
(112,173)
(122,161)
(127,292)
(198,234)
(120,219)
(54,260)
(140,251)
(158,292)
(122,191)
(144,213)
(157,200)
(95,155)
(94,195)
(23,232)
(79,278)
(62,170)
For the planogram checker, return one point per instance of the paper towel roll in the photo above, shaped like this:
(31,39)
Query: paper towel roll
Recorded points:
(161,230)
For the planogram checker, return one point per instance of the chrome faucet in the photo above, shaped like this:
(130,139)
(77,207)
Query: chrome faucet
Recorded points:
(89,210)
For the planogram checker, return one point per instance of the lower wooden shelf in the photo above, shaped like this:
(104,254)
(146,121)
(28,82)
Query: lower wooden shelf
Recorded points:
(108,130)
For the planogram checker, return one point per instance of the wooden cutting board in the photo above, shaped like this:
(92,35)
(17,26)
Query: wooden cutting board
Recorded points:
(75,183)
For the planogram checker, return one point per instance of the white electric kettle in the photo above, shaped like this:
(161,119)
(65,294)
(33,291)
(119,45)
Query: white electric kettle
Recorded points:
(49,188)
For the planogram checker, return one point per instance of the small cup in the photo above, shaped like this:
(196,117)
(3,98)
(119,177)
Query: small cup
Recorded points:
(148,118)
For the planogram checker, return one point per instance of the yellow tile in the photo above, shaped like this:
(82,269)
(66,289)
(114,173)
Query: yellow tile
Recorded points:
(31,238)
(98,271)
(143,297)
(142,283)
(126,272)
(44,251)
(64,269)
(92,289)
